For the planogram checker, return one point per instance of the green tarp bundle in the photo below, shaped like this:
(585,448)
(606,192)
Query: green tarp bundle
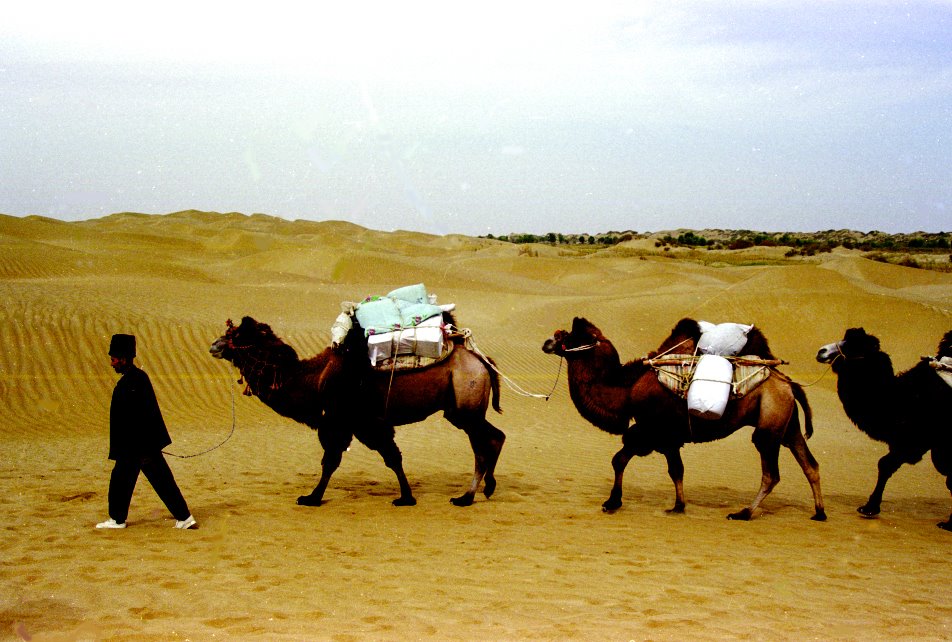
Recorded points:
(402,308)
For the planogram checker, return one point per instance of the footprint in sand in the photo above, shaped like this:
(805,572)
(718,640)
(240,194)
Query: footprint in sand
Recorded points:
(87,495)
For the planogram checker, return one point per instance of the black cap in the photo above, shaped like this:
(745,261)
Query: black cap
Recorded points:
(122,345)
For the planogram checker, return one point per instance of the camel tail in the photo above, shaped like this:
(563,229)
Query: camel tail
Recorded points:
(493,381)
(801,397)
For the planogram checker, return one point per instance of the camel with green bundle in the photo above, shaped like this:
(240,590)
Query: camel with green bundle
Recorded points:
(339,395)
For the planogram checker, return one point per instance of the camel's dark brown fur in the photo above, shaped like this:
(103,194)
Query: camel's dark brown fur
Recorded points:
(610,395)
(909,411)
(336,393)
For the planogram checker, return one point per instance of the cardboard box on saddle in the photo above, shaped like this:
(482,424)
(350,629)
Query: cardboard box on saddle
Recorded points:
(424,339)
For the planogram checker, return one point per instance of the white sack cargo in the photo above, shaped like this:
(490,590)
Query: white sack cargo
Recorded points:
(724,339)
(424,339)
(710,387)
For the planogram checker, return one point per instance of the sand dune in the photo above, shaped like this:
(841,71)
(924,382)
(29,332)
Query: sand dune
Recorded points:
(539,561)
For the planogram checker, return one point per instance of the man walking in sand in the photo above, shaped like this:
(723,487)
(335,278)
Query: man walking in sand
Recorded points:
(137,435)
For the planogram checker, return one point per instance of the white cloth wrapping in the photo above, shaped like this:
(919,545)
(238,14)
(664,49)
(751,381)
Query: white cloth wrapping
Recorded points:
(710,387)
(343,323)
(724,339)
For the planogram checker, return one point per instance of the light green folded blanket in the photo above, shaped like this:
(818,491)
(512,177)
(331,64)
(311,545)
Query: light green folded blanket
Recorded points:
(403,308)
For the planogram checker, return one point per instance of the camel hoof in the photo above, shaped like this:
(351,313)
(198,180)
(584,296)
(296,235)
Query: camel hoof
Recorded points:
(868,511)
(946,526)
(613,503)
(404,501)
(463,500)
(741,515)
(489,488)
(308,500)
(820,516)
(677,510)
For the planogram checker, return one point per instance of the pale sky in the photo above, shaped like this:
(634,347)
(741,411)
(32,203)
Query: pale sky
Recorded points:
(480,118)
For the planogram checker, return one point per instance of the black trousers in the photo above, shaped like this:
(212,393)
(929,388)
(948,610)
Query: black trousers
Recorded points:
(123,481)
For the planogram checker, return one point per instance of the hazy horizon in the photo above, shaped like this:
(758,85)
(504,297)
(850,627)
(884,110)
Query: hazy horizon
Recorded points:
(497,119)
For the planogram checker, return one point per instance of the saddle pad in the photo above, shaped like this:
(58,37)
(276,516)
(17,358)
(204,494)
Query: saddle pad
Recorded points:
(675,372)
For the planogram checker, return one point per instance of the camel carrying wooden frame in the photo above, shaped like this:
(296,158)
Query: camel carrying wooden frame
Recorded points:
(675,372)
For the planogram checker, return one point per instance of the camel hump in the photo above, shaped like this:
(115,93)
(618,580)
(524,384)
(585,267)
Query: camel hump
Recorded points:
(945,345)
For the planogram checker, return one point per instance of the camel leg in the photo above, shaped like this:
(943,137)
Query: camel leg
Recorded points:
(381,439)
(769,448)
(329,463)
(393,458)
(798,446)
(334,443)
(888,464)
(619,462)
(676,472)
(947,525)
(942,459)
(631,446)
(496,440)
(486,441)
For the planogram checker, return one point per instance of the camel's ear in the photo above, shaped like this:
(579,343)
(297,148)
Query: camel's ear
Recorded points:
(860,337)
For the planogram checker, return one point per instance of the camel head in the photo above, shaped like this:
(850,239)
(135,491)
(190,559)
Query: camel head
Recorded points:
(223,347)
(250,335)
(856,344)
(583,336)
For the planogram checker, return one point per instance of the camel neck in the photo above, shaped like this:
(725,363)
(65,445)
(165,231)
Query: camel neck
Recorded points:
(599,391)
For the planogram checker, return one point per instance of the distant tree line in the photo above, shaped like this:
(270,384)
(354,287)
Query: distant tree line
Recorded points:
(812,242)
(800,243)
(553,238)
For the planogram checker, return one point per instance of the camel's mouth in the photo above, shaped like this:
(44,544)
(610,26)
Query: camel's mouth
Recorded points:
(828,353)
(553,345)
(217,348)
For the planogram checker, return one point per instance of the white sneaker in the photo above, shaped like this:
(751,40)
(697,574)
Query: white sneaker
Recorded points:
(110,523)
(188,522)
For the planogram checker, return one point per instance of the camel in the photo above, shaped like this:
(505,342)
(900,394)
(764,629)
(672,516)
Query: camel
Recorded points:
(609,395)
(908,411)
(338,394)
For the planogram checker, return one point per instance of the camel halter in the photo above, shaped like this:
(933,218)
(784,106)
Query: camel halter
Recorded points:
(255,366)
(590,346)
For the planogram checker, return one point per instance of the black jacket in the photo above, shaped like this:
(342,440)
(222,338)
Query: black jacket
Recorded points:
(136,427)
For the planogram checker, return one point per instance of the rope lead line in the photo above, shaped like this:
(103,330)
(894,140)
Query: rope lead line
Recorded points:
(515,387)
(230,433)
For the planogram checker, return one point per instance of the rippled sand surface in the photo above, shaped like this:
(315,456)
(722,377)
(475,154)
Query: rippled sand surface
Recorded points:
(538,561)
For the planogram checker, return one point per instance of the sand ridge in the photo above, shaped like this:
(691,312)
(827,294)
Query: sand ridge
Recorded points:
(537,561)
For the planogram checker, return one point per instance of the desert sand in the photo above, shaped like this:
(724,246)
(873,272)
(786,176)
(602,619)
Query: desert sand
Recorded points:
(537,561)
